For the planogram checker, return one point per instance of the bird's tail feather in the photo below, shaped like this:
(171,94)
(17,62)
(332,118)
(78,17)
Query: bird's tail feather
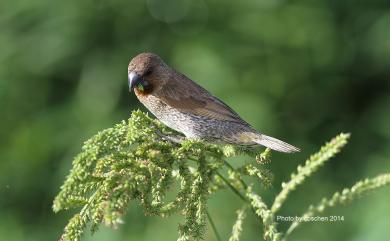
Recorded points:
(276,144)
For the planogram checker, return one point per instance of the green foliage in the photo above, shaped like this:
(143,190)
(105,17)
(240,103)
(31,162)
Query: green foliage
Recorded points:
(311,165)
(131,162)
(347,195)
(237,227)
(261,209)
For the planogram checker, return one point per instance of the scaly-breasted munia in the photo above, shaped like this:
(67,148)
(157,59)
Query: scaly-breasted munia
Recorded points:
(186,107)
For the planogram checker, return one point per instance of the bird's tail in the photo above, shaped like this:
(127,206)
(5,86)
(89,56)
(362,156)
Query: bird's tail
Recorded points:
(275,144)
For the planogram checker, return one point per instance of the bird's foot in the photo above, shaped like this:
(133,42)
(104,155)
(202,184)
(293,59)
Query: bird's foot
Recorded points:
(176,139)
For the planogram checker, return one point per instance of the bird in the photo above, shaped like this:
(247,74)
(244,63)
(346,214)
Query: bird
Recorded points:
(183,105)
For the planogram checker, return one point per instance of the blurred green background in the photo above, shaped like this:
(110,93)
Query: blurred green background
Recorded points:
(299,70)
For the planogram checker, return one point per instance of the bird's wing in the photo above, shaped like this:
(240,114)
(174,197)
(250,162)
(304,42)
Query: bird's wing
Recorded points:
(187,96)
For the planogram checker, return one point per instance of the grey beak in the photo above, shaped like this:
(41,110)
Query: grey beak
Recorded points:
(134,80)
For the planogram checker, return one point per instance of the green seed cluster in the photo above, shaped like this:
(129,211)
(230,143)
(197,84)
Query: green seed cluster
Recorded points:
(131,162)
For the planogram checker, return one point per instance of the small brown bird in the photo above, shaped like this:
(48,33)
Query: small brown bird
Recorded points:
(184,106)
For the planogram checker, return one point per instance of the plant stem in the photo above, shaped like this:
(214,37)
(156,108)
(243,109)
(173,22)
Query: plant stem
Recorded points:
(233,188)
(213,226)
(234,170)
(240,195)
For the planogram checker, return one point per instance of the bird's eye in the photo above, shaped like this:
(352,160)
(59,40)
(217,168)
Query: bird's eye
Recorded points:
(149,72)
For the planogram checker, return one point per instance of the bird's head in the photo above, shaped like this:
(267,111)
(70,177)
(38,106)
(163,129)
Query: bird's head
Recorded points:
(147,72)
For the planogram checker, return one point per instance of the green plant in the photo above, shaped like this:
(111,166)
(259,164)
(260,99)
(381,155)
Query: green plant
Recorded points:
(131,162)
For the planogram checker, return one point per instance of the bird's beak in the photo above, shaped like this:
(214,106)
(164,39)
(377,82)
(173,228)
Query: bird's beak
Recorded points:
(134,80)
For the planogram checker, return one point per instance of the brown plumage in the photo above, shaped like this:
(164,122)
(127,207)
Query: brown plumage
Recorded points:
(188,108)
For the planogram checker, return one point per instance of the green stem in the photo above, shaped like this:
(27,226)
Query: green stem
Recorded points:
(240,195)
(233,188)
(213,226)
(234,170)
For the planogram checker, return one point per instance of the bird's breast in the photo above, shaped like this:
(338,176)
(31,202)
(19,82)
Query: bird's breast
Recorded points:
(168,115)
